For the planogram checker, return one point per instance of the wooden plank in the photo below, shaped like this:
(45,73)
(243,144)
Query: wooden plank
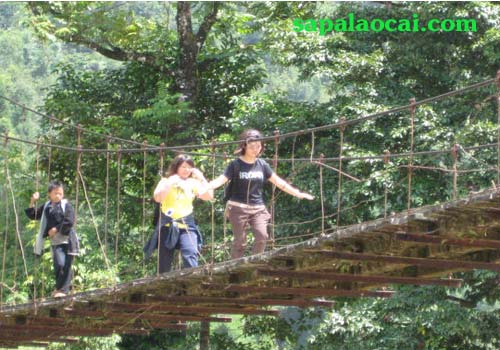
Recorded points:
(426,262)
(190,309)
(65,331)
(316,291)
(237,301)
(143,316)
(464,242)
(331,276)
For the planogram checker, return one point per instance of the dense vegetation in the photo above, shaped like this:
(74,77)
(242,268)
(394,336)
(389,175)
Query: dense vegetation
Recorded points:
(193,73)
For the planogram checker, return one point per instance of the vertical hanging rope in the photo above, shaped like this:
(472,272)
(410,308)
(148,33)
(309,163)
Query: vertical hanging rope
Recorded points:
(48,180)
(273,193)
(413,109)
(212,208)
(106,260)
(224,223)
(78,164)
(4,256)
(37,260)
(14,207)
(293,153)
(37,170)
(498,128)
(51,126)
(118,199)
(162,156)
(339,189)
(312,146)
(321,194)
(454,154)
(143,230)
(106,197)
(386,162)
(77,182)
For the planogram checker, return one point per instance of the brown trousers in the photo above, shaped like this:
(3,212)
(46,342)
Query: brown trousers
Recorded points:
(257,219)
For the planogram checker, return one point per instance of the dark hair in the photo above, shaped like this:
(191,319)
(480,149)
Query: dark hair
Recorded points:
(177,162)
(53,185)
(247,136)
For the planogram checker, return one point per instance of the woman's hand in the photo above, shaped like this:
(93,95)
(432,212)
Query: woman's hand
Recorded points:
(303,195)
(198,175)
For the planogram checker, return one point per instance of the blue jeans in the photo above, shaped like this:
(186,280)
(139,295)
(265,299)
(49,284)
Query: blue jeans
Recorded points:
(62,267)
(188,245)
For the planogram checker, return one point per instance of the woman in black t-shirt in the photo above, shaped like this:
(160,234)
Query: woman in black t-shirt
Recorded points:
(245,205)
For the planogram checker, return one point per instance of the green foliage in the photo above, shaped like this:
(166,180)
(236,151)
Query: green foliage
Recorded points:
(253,71)
(90,343)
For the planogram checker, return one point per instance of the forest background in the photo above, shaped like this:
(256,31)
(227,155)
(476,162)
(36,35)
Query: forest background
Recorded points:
(196,73)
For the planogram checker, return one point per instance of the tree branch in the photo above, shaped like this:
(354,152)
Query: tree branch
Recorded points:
(114,52)
(462,302)
(207,24)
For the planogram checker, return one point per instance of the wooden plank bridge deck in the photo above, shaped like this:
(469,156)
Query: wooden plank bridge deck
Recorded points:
(417,247)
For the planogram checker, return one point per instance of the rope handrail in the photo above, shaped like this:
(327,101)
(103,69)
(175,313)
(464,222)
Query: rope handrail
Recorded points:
(324,159)
(281,136)
(78,127)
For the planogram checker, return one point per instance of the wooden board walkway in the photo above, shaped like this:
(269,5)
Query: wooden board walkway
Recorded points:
(419,247)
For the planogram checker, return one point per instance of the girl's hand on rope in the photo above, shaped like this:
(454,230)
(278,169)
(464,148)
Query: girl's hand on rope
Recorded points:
(198,175)
(34,198)
(303,195)
(52,232)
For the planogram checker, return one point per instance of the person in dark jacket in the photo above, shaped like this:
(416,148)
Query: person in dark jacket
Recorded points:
(57,220)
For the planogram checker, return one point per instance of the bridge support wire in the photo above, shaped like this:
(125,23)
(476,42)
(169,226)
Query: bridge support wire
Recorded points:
(386,162)
(454,154)
(413,109)
(16,216)
(78,165)
(162,156)
(143,228)
(106,197)
(106,260)
(36,265)
(341,150)
(498,127)
(212,210)
(5,241)
(273,191)
(118,199)
(321,194)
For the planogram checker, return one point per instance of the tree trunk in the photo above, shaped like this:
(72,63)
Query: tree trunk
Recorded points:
(186,76)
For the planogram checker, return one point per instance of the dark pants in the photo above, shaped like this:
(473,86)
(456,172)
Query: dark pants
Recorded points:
(188,245)
(62,267)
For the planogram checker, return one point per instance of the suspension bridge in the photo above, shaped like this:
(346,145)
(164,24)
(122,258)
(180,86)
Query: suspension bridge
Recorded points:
(330,257)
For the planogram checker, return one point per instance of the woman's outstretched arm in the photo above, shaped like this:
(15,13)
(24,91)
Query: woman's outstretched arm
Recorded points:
(286,187)
(217,182)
